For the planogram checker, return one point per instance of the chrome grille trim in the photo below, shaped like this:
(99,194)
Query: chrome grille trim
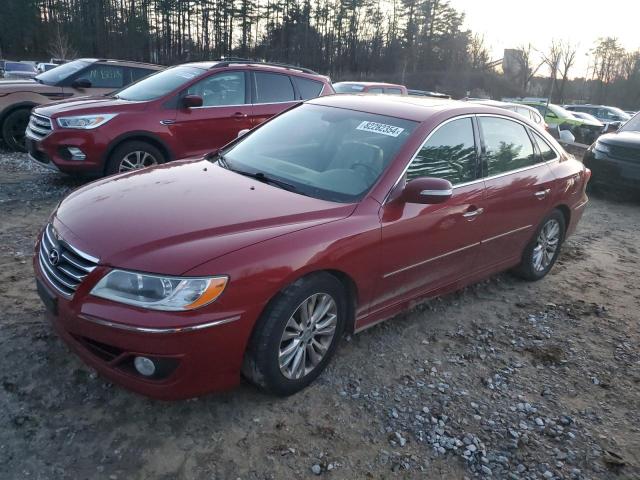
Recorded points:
(71,268)
(39,126)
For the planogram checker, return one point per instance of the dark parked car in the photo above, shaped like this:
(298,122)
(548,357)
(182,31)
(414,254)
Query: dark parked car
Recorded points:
(185,111)
(17,71)
(87,76)
(612,117)
(334,216)
(614,158)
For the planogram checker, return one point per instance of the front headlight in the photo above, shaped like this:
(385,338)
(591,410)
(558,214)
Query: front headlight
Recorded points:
(85,122)
(601,147)
(157,292)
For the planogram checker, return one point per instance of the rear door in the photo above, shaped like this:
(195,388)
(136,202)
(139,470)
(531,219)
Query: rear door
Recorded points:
(425,247)
(224,112)
(519,185)
(272,93)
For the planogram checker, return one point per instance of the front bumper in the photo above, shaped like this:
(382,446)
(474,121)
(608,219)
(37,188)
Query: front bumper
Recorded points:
(203,350)
(609,171)
(52,150)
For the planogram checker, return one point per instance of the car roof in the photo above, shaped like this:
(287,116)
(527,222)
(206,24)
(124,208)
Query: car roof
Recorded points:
(288,69)
(407,107)
(369,84)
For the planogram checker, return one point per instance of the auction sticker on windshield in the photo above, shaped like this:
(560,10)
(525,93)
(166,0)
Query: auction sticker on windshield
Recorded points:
(381,128)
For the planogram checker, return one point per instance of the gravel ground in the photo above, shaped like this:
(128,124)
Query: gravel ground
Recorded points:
(505,379)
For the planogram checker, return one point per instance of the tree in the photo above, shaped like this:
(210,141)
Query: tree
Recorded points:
(567,59)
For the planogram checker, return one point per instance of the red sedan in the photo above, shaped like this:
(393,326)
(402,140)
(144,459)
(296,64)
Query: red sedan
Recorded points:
(329,218)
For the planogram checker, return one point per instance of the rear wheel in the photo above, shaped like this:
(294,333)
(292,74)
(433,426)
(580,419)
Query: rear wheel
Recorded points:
(543,250)
(13,129)
(134,155)
(297,335)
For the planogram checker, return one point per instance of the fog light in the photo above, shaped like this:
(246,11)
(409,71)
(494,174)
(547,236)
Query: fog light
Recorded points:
(76,153)
(144,366)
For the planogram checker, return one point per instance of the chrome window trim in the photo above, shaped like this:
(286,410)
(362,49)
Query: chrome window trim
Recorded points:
(162,331)
(415,154)
(481,179)
(437,193)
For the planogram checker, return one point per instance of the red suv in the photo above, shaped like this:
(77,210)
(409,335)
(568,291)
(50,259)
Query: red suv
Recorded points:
(184,111)
(336,215)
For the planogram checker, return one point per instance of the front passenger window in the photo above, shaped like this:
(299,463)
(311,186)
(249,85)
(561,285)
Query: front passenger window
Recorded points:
(507,145)
(450,153)
(220,90)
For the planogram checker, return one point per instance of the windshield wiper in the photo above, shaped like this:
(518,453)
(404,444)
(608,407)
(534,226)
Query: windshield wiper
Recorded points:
(261,177)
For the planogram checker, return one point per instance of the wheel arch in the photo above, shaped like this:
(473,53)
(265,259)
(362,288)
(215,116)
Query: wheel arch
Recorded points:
(12,108)
(566,213)
(140,136)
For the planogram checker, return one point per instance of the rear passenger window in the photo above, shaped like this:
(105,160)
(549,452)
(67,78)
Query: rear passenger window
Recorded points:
(273,88)
(393,91)
(308,88)
(507,144)
(375,90)
(450,153)
(546,152)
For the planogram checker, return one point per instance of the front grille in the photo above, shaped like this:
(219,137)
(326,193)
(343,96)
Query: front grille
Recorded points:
(39,126)
(64,266)
(625,153)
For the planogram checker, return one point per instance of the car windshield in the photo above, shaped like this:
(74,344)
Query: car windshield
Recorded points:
(348,87)
(56,75)
(18,67)
(624,116)
(159,84)
(324,152)
(632,125)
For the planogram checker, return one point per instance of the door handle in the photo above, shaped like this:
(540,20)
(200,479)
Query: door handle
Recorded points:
(239,115)
(471,215)
(541,194)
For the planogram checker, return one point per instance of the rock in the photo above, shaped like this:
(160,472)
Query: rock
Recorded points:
(539,422)
(316,469)
(486,470)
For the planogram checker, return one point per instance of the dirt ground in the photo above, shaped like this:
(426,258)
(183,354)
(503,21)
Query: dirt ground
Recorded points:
(506,379)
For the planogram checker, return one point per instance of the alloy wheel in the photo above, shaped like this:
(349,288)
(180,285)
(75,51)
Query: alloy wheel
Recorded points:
(308,336)
(546,245)
(136,160)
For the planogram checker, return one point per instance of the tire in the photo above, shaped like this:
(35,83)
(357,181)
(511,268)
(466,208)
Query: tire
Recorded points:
(535,263)
(133,155)
(13,129)
(262,364)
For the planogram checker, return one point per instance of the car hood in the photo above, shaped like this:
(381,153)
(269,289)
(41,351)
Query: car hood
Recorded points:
(17,86)
(88,105)
(171,218)
(621,139)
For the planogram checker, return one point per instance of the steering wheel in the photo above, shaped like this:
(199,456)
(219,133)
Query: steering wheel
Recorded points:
(370,172)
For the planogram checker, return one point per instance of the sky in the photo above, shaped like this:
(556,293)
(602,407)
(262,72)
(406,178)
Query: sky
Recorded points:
(511,23)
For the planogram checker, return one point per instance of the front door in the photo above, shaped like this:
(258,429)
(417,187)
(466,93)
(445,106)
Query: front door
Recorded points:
(426,247)
(518,189)
(224,112)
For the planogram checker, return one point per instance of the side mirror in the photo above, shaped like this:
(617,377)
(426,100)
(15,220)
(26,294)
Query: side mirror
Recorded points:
(427,191)
(81,83)
(192,101)
(242,132)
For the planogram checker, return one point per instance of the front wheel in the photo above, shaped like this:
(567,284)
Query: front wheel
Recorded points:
(13,129)
(543,250)
(134,155)
(297,335)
